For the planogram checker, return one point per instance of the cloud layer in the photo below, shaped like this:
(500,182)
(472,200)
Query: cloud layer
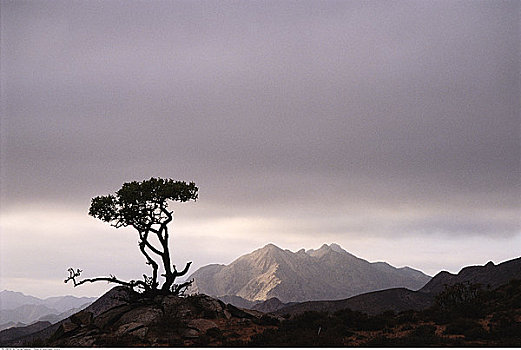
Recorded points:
(322,119)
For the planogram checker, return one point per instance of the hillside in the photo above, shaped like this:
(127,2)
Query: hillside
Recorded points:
(492,318)
(327,273)
(122,317)
(487,275)
(392,317)
(402,299)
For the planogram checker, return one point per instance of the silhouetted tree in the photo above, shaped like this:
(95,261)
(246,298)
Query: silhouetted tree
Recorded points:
(143,205)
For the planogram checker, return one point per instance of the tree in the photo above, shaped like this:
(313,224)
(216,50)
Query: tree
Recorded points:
(143,205)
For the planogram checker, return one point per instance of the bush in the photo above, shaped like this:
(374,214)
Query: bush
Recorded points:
(465,299)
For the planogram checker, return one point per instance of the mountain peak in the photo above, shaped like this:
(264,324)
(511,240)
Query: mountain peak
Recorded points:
(271,246)
(273,272)
(324,249)
(336,248)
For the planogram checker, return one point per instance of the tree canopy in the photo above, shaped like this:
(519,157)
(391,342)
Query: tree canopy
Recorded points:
(144,206)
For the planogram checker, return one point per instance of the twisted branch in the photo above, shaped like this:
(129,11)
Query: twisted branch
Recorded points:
(112,279)
(179,289)
(184,271)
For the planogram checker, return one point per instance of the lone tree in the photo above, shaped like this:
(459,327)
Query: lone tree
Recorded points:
(143,205)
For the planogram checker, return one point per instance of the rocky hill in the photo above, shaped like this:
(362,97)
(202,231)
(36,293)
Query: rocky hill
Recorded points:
(122,317)
(327,273)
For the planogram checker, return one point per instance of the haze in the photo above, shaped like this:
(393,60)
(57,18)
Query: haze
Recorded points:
(389,127)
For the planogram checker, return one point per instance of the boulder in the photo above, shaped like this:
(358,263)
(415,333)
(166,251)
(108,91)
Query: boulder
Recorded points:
(128,328)
(65,327)
(82,318)
(141,333)
(190,333)
(202,325)
(109,317)
(177,307)
(117,296)
(209,304)
(144,315)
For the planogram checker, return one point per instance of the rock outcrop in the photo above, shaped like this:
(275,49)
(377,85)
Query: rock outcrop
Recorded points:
(122,317)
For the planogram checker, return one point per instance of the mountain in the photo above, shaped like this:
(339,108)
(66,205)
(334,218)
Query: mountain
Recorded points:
(271,305)
(122,317)
(11,300)
(17,308)
(486,275)
(327,273)
(53,318)
(372,303)
(25,313)
(237,301)
(402,299)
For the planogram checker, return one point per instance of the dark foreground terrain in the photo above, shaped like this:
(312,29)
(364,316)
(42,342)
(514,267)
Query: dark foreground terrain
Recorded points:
(479,306)
(124,318)
(464,314)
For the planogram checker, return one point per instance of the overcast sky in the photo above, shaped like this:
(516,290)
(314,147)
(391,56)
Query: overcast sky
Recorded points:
(389,127)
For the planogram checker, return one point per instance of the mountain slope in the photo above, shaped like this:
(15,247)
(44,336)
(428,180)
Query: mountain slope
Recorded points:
(26,313)
(401,299)
(489,274)
(327,273)
(372,303)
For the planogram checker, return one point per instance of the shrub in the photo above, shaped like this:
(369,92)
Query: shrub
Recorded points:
(464,299)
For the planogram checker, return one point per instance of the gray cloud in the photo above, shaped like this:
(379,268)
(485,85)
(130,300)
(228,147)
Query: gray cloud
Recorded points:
(276,108)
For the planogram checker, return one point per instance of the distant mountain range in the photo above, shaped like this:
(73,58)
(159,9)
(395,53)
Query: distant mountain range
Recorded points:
(327,273)
(125,318)
(402,299)
(18,309)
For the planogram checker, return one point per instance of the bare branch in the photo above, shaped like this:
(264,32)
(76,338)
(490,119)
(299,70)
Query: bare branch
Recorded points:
(112,279)
(179,289)
(185,270)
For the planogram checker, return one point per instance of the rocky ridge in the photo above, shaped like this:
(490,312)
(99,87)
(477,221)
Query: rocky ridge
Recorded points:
(327,273)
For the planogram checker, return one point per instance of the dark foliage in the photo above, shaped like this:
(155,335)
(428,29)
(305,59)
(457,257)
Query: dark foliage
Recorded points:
(461,299)
(143,205)
(462,310)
